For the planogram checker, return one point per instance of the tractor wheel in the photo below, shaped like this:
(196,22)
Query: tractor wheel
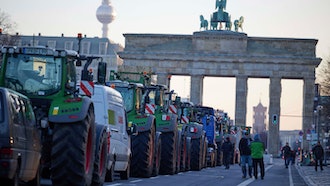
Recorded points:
(183,153)
(204,158)
(188,154)
(196,161)
(100,156)
(178,151)
(158,150)
(219,156)
(73,152)
(168,155)
(143,153)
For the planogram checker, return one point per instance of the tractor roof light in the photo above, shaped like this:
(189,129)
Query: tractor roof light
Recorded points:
(63,53)
(11,50)
(4,50)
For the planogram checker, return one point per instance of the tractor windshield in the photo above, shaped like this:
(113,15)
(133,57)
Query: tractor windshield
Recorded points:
(128,95)
(33,74)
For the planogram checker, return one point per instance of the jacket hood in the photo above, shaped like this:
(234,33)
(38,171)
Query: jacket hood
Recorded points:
(256,137)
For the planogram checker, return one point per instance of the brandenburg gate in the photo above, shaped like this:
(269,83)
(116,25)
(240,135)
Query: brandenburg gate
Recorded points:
(221,53)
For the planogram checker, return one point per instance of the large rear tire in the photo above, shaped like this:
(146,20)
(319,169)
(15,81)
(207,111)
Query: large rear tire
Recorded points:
(188,154)
(168,155)
(178,151)
(219,154)
(157,157)
(197,151)
(100,156)
(73,152)
(143,153)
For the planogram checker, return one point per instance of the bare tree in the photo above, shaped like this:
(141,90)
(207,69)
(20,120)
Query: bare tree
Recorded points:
(323,77)
(7,27)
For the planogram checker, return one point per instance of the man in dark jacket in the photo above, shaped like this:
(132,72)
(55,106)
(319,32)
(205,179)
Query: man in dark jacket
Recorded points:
(286,151)
(318,155)
(227,148)
(245,153)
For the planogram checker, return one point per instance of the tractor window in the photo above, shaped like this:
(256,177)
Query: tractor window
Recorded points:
(127,94)
(152,97)
(138,99)
(71,74)
(33,74)
(159,97)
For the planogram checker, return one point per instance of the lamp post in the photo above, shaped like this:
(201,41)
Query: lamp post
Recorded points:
(79,37)
(318,109)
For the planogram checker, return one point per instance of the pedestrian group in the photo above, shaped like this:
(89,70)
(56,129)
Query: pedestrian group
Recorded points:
(252,151)
(251,154)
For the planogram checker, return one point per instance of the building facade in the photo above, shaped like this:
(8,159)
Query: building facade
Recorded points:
(89,46)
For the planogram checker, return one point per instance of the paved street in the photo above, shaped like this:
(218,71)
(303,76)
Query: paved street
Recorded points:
(313,178)
(276,174)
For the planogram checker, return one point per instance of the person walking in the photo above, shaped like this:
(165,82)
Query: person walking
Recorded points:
(286,151)
(227,148)
(257,152)
(245,153)
(318,155)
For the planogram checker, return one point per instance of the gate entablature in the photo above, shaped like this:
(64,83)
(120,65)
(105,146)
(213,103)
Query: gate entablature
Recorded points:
(207,43)
(221,53)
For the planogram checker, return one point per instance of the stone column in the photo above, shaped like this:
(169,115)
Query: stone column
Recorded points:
(308,108)
(241,97)
(196,89)
(162,78)
(275,90)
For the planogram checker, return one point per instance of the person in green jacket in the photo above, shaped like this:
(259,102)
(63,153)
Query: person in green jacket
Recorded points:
(257,152)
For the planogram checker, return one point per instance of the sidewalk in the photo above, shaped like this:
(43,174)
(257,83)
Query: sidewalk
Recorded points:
(313,178)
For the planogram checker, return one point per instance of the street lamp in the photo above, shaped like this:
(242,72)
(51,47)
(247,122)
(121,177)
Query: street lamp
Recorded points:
(318,110)
(79,37)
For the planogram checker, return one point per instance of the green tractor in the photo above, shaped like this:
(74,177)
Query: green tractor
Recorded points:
(146,145)
(66,120)
(156,102)
(192,128)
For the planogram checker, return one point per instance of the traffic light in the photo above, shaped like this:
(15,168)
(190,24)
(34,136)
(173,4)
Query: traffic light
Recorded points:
(275,119)
(225,116)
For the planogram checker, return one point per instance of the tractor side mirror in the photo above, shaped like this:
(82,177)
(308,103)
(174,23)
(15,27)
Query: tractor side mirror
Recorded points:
(132,129)
(101,72)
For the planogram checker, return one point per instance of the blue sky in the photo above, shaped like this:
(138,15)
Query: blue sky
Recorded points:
(288,19)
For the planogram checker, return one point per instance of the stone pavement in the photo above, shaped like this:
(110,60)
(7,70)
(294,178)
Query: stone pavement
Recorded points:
(313,178)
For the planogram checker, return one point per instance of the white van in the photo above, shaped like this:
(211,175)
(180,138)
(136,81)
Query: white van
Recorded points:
(110,111)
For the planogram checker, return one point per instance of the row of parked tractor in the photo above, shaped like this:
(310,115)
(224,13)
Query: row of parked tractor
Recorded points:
(51,127)
(172,136)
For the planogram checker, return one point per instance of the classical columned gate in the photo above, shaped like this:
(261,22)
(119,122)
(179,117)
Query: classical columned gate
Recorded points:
(229,54)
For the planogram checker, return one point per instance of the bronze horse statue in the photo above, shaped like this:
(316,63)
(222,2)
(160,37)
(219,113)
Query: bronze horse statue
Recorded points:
(204,23)
(239,23)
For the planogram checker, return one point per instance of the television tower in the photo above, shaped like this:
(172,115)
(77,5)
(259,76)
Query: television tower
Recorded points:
(105,14)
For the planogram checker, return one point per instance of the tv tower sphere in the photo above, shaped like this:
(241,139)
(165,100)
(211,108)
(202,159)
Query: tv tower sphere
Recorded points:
(105,14)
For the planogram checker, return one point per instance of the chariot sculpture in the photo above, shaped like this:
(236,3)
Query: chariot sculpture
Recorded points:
(219,17)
